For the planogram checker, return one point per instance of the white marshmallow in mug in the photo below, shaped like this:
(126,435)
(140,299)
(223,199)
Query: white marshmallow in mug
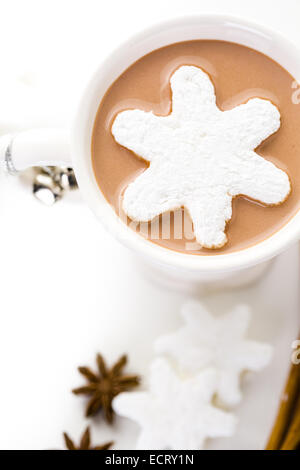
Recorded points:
(200,157)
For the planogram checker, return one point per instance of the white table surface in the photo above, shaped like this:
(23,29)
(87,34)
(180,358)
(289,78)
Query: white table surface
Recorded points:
(67,289)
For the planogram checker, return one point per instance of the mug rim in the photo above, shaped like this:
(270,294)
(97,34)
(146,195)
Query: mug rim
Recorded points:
(91,192)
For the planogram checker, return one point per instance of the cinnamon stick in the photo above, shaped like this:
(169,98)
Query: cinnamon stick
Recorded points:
(288,413)
(292,439)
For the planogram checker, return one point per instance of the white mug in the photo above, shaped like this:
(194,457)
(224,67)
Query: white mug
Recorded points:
(54,147)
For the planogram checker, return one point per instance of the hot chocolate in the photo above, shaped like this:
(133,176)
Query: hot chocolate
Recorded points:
(238,74)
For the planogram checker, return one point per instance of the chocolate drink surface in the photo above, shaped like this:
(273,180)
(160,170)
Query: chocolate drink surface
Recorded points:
(238,74)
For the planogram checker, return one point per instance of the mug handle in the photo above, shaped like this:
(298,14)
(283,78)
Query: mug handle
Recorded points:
(36,147)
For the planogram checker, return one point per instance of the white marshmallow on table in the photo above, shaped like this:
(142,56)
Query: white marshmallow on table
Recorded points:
(200,157)
(175,413)
(206,341)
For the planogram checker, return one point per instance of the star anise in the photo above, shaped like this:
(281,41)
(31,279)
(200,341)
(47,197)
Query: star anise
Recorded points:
(104,386)
(85,442)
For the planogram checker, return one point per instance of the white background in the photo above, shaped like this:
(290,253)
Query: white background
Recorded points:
(67,289)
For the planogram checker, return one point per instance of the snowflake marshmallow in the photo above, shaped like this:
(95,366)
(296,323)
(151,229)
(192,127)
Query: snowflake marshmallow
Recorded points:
(200,157)
(207,341)
(175,413)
